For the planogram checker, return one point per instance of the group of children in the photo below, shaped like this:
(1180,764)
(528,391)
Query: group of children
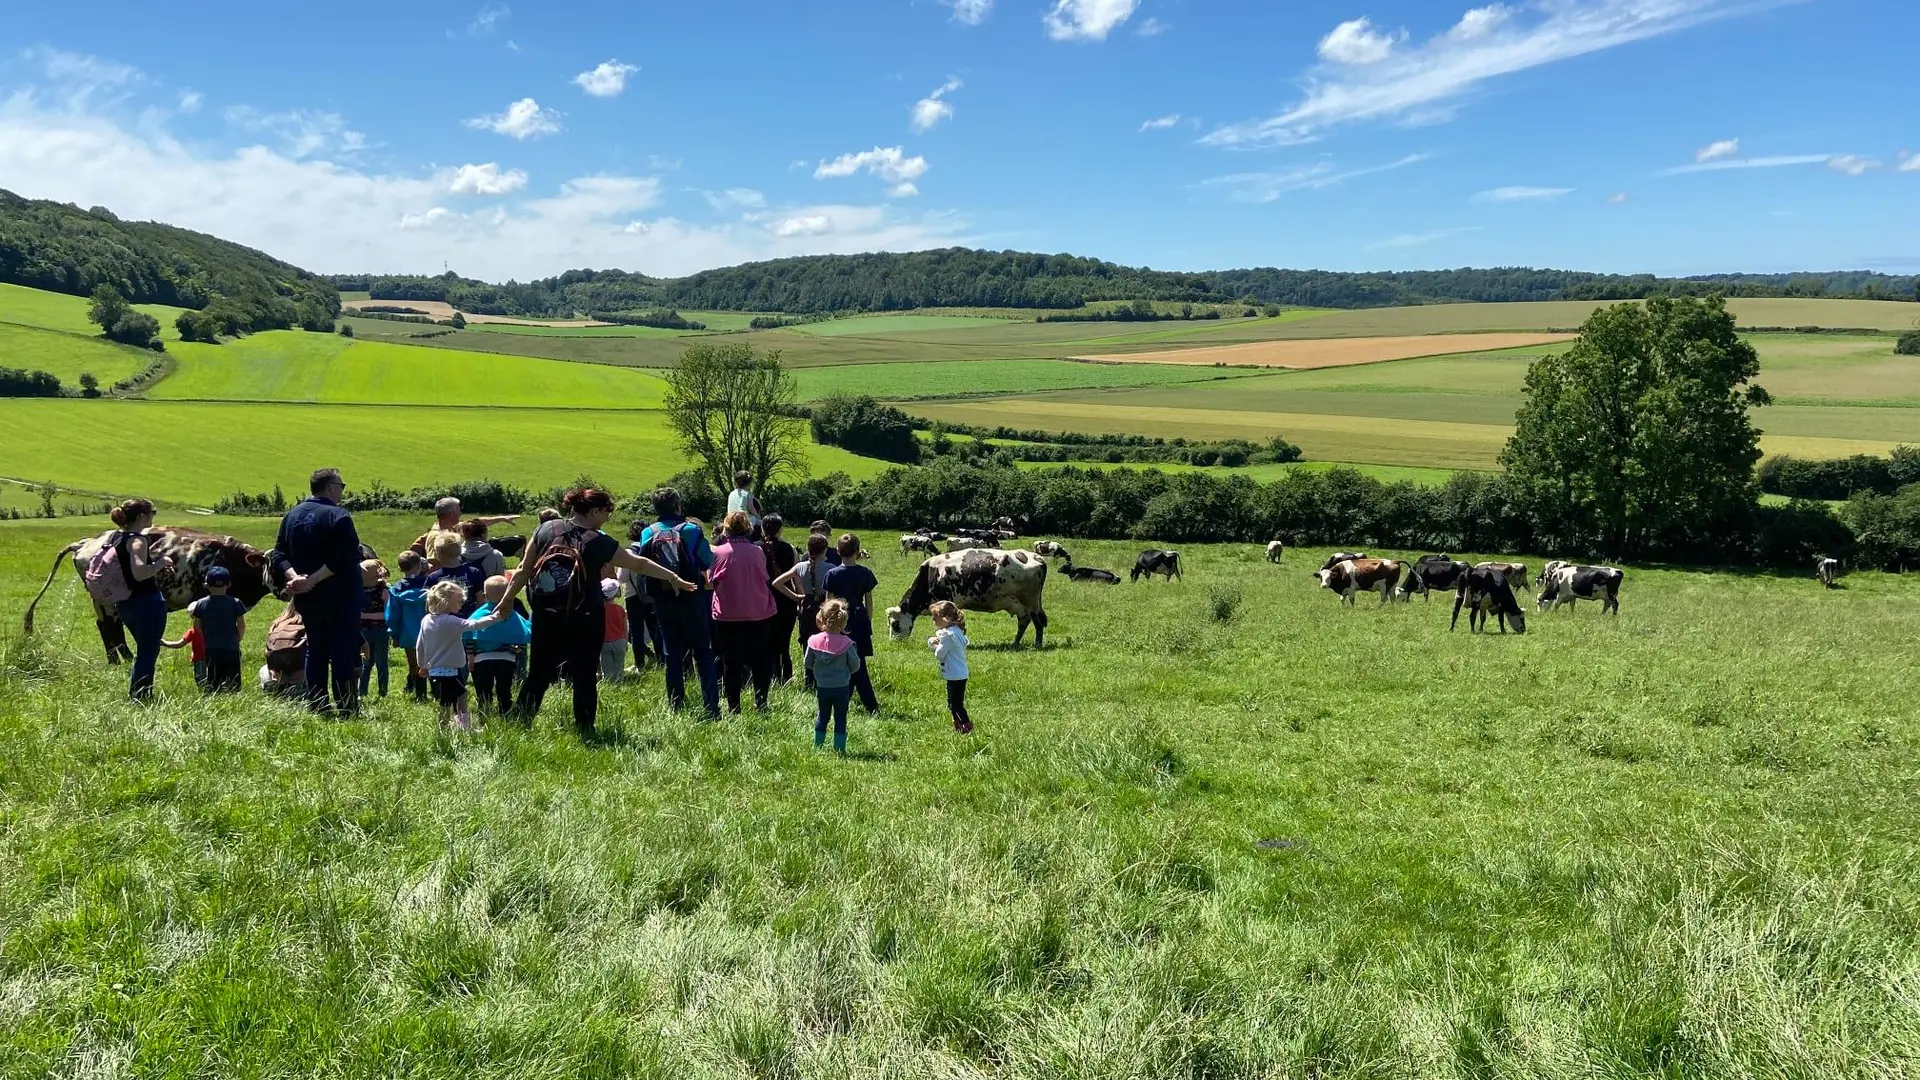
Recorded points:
(833,660)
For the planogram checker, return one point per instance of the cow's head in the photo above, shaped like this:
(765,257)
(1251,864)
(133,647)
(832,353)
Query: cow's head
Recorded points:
(252,579)
(1326,577)
(899,623)
(1517,619)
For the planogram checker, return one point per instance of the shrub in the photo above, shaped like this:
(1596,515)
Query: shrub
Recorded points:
(1223,602)
(1909,344)
(198,326)
(862,425)
(19,382)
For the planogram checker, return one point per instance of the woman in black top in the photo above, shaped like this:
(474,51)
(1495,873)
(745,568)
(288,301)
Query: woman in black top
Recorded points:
(144,612)
(570,628)
(780,559)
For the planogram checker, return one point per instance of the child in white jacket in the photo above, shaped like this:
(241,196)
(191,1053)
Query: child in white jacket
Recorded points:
(949,643)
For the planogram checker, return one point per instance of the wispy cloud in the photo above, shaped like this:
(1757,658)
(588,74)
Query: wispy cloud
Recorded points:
(1087,20)
(930,110)
(488,17)
(484,179)
(1618,198)
(524,119)
(83,82)
(889,163)
(191,100)
(1522,194)
(1909,162)
(735,199)
(1357,42)
(1151,28)
(1717,151)
(1775,162)
(301,133)
(606,79)
(1407,240)
(1853,164)
(1487,43)
(1265,187)
(970,12)
(1160,123)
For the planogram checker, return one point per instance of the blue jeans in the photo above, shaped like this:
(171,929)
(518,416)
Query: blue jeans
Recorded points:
(375,635)
(145,618)
(686,628)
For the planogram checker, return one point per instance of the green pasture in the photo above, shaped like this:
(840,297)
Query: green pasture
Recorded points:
(1300,840)
(1265,473)
(65,354)
(890,324)
(535,330)
(291,365)
(58,311)
(195,452)
(958,378)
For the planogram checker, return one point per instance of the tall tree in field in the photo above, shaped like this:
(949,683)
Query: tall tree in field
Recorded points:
(732,410)
(1637,439)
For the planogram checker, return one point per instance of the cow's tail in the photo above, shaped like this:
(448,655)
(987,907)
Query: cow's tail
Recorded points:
(27,625)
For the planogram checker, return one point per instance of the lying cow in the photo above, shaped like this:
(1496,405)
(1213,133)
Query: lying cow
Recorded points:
(1826,570)
(1339,557)
(971,543)
(1484,590)
(1156,561)
(1563,583)
(917,542)
(1431,573)
(1516,572)
(1048,549)
(1088,573)
(193,553)
(1352,576)
(1275,549)
(1011,581)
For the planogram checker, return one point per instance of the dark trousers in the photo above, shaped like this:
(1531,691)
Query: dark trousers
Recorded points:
(643,633)
(145,618)
(571,638)
(863,685)
(493,679)
(833,702)
(375,635)
(686,630)
(223,671)
(742,651)
(780,641)
(957,702)
(333,658)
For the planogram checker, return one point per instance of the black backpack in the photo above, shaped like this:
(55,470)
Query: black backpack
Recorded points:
(559,577)
(669,548)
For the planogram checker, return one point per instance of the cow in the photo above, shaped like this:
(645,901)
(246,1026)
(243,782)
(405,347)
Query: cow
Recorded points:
(1483,590)
(1274,550)
(1156,561)
(930,534)
(1362,575)
(1826,570)
(193,553)
(1430,573)
(1011,581)
(1516,572)
(970,543)
(1088,573)
(1563,583)
(917,542)
(1006,527)
(1048,549)
(1339,557)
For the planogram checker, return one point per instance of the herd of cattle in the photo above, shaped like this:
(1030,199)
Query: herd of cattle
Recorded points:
(976,573)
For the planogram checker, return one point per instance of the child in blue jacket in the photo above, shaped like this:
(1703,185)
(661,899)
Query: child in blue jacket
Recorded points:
(496,650)
(406,606)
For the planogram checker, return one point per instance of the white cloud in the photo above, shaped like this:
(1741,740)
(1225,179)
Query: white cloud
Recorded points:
(82,82)
(889,163)
(1087,20)
(1160,123)
(970,12)
(1777,162)
(606,80)
(1407,240)
(489,16)
(1419,81)
(1618,198)
(335,217)
(1357,42)
(800,225)
(1720,150)
(1479,22)
(1852,164)
(1265,187)
(301,132)
(735,199)
(484,179)
(1522,194)
(524,119)
(930,110)
(1151,28)
(1909,162)
(190,101)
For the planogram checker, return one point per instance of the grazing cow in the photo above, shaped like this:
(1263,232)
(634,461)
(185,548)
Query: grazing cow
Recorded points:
(1483,590)
(193,554)
(1430,573)
(1088,573)
(971,543)
(1156,561)
(1339,557)
(1274,550)
(1516,572)
(930,534)
(1362,575)
(1826,570)
(1011,581)
(1563,583)
(1048,549)
(917,542)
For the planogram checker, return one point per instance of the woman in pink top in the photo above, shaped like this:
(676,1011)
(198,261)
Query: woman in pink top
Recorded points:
(743,611)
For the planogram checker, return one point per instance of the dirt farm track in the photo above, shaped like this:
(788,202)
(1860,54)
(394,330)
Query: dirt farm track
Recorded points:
(1333,352)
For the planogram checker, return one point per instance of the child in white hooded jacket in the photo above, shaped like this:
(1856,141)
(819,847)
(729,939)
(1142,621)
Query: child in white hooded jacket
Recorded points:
(949,644)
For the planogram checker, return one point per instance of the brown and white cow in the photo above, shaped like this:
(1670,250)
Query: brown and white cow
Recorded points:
(980,580)
(1352,576)
(1339,557)
(1516,572)
(193,553)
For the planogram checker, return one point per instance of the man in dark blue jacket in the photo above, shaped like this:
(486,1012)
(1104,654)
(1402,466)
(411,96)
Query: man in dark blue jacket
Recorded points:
(318,555)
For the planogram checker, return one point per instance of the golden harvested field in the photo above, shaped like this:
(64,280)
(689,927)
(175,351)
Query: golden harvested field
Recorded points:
(440,310)
(1342,352)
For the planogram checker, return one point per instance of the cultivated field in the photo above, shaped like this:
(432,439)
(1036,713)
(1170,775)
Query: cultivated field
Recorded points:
(1345,352)
(441,310)
(1307,841)
(959,378)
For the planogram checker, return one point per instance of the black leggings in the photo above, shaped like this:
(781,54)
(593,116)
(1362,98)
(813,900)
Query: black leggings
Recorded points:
(494,681)
(780,641)
(957,701)
(743,653)
(572,638)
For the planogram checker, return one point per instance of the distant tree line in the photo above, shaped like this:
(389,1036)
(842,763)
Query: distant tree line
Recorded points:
(1840,478)
(19,382)
(660,319)
(1136,311)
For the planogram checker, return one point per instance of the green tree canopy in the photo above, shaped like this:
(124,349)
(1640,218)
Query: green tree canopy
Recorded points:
(732,410)
(1637,439)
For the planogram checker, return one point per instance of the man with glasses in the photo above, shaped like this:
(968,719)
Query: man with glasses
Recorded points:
(318,556)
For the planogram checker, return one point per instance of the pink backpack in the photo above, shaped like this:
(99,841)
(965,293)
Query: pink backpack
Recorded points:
(106,577)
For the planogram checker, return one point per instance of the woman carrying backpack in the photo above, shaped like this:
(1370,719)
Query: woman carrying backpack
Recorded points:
(561,574)
(127,573)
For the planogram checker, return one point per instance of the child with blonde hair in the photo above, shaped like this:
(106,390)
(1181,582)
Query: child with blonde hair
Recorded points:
(445,548)
(497,650)
(831,661)
(442,649)
(949,645)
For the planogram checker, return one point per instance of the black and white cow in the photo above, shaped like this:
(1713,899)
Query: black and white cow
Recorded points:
(1049,549)
(1432,573)
(1483,590)
(1157,561)
(1089,573)
(1339,557)
(971,543)
(193,553)
(1352,576)
(1011,581)
(917,542)
(1563,583)
(1275,549)
(1826,571)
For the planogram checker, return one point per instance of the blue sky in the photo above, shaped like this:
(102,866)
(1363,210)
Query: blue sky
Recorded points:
(504,139)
